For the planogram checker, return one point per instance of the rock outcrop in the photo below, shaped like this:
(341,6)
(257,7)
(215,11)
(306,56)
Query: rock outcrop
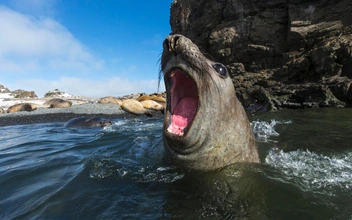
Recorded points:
(19,93)
(3,89)
(280,53)
(56,94)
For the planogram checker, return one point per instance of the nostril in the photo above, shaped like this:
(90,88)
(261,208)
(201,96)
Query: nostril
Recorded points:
(171,43)
(175,42)
(176,38)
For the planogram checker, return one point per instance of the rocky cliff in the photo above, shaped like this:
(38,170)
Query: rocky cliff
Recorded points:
(19,93)
(280,53)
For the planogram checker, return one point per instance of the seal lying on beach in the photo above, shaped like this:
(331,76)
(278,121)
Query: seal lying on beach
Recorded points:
(134,107)
(156,98)
(152,105)
(110,100)
(57,103)
(22,107)
(205,126)
(87,122)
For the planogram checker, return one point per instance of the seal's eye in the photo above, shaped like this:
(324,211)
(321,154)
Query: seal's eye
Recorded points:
(220,69)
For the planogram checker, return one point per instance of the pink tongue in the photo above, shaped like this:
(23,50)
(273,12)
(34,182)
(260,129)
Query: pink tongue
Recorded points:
(183,114)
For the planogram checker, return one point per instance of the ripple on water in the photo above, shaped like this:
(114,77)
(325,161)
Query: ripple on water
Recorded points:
(263,130)
(312,171)
(49,172)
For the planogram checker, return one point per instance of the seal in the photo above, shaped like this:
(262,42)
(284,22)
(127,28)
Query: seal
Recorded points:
(134,107)
(2,111)
(152,105)
(156,98)
(205,126)
(57,103)
(110,100)
(22,107)
(87,122)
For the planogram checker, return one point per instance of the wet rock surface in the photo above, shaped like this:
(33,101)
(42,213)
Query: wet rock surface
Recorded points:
(280,53)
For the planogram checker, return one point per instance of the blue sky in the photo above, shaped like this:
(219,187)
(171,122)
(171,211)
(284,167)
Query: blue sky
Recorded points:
(89,48)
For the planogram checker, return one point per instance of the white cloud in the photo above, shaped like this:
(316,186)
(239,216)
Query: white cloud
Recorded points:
(37,52)
(114,86)
(42,40)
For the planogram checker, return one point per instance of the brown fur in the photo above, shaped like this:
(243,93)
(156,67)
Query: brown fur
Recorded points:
(110,100)
(22,107)
(152,97)
(57,103)
(134,107)
(219,134)
(153,105)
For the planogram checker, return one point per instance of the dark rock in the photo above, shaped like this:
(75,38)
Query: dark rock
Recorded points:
(19,93)
(285,54)
(3,89)
(54,93)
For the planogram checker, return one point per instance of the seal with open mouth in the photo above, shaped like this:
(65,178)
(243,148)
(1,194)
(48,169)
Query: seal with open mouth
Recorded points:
(205,126)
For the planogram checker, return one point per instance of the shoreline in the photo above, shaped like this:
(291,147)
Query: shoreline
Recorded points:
(47,115)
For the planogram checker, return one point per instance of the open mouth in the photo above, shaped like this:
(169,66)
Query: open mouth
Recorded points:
(183,103)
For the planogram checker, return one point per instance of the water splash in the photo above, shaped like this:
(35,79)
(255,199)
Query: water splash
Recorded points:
(134,125)
(312,171)
(137,159)
(149,174)
(105,169)
(264,130)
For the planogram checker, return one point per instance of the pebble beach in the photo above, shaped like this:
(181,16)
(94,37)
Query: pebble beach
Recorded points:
(81,106)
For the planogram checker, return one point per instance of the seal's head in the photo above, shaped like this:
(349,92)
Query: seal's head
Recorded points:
(87,122)
(205,126)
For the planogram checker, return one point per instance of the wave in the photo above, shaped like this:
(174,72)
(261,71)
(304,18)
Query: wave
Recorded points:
(263,130)
(312,171)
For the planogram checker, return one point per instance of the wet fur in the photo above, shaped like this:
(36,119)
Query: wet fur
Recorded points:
(219,133)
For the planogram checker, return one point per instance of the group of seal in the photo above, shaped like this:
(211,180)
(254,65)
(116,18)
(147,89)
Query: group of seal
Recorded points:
(142,105)
(52,103)
(205,126)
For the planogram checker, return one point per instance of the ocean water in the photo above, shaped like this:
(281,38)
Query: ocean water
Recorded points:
(117,172)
